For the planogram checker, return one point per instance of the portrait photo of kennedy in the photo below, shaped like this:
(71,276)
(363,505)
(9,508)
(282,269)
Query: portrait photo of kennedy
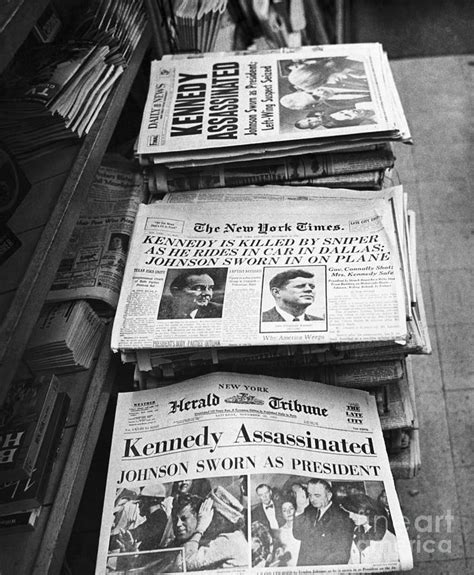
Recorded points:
(294,295)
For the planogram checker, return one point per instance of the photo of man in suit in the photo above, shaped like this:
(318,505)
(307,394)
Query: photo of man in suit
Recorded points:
(324,529)
(293,291)
(267,511)
(191,297)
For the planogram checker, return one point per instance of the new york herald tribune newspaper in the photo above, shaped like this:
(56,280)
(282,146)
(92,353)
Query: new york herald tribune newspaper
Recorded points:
(343,259)
(210,453)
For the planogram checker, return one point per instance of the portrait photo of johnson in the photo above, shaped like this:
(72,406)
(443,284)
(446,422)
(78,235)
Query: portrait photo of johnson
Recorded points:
(194,293)
(293,296)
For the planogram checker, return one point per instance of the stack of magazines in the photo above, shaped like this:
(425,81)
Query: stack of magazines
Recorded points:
(185,25)
(65,339)
(197,23)
(36,412)
(54,92)
(317,115)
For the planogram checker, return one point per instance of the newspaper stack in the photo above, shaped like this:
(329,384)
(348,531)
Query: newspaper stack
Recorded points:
(54,92)
(197,23)
(214,278)
(219,448)
(313,116)
(184,26)
(400,425)
(356,249)
(365,169)
(65,339)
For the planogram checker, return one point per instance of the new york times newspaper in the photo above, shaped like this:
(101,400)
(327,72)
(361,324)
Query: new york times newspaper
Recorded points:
(250,474)
(237,101)
(208,274)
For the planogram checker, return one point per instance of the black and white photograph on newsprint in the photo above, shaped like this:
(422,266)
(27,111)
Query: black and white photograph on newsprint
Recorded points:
(193,293)
(299,521)
(291,295)
(357,96)
(188,525)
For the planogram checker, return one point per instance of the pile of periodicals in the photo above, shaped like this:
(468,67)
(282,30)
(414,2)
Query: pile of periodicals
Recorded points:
(85,290)
(243,262)
(65,339)
(316,115)
(53,93)
(185,25)
(207,458)
(32,419)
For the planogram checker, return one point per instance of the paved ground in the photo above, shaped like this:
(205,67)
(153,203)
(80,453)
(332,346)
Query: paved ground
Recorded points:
(409,28)
(438,173)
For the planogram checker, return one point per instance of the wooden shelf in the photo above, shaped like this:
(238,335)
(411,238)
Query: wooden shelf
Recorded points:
(41,551)
(27,300)
(45,221)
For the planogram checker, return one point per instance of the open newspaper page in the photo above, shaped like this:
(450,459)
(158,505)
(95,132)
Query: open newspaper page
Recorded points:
(94,260)
(289,272)
(235,100)
(250,474)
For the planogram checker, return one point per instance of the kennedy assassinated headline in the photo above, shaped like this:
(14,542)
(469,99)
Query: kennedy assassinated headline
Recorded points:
(229,101)
(224,427)
(265,431)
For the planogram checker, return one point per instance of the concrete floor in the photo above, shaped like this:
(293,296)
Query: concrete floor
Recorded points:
(437,173)
(413,29)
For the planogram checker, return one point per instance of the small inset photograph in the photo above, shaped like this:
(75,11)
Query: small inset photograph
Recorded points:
(301,521)
(324,93)
(292,296)
(194,293)
(187,525)
(118,242)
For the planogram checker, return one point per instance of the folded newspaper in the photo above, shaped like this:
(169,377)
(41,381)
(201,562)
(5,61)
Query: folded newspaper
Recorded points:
(247,474)
(307,169)
(333,268)
(94,259)
(242,105)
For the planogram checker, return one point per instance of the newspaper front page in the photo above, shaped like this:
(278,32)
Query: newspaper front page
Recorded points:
(404,218)
(250,474)
(196,106)
(266,273)
(94,259)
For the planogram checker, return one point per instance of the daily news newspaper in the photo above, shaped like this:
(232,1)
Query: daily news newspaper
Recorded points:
(94,259)
(230,268)
(213,104)
(250,474)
